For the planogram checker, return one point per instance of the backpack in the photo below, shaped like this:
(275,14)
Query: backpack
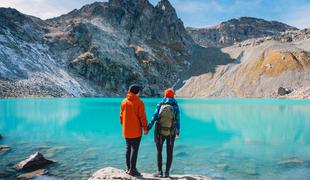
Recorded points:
(166,120)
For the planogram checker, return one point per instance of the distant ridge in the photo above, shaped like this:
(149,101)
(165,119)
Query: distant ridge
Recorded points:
(236,30)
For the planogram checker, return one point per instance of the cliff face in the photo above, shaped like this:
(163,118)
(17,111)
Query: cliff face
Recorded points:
(99,49)
(237,30)
(27,67)
(121,42)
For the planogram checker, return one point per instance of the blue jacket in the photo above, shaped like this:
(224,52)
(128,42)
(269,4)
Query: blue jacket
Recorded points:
(173,103)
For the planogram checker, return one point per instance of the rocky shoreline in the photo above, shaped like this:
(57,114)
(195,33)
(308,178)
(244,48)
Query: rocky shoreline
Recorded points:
(114,173)
(36,165)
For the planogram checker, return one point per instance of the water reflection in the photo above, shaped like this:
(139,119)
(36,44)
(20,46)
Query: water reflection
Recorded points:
(272,124)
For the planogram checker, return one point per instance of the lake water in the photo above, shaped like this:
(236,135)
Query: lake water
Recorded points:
(224,139)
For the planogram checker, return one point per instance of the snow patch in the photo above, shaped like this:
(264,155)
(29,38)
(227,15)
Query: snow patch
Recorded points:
(163,7)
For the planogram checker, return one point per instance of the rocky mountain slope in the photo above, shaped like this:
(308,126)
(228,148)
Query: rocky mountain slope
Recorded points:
(27,67)
(97,50)
(102,48)
(255,68)
(236,30)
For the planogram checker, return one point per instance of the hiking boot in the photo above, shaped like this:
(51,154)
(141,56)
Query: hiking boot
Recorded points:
(159,174)
(134,173)
(167,175)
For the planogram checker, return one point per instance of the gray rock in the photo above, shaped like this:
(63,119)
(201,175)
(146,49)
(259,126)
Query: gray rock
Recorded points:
(34,161)
(113,173)
(283,91)
(31,175)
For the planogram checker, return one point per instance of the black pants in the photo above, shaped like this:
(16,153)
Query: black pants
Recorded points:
(132,148)
(169,144)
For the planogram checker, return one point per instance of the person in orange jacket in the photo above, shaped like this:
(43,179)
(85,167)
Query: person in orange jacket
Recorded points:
(133,120)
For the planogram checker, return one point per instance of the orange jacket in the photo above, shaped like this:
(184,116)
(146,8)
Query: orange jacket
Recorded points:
(133,116)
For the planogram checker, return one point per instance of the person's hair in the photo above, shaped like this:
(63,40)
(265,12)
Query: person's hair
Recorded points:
(134,88)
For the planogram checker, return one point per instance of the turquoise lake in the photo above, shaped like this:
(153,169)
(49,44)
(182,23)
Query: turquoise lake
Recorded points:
(221,138)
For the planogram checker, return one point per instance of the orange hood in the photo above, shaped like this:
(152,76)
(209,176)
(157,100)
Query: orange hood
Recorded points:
(131,96)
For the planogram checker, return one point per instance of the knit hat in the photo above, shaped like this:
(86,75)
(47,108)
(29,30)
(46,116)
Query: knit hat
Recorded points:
(134,89)
(169,93)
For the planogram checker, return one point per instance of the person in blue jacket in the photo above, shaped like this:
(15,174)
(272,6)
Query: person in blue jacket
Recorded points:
(167,128)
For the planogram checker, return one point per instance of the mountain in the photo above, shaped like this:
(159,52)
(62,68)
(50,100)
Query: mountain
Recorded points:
(98,50)
(255,68)
(102,48)
(27,67)
(236,30)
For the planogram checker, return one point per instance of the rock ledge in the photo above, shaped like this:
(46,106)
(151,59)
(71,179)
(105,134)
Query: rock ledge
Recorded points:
(114,173)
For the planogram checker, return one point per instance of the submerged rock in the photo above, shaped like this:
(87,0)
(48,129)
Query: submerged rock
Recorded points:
(33,174)
(218,176)
(36,160)
(291,161)
(181,154)
(4,148)
(5,174)
(0,136)
(251,171)
(222,166)
(113,173)
(50,152)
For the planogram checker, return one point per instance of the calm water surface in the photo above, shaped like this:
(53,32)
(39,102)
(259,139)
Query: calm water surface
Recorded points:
(224,139)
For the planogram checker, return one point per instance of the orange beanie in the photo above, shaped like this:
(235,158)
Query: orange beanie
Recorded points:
(169,93)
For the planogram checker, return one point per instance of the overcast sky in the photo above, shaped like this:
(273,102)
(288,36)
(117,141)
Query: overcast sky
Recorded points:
(196,13)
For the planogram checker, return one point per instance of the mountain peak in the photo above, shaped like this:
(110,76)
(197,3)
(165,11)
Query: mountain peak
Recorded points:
(236,30)
(166,7)
(252,20)
(129,2)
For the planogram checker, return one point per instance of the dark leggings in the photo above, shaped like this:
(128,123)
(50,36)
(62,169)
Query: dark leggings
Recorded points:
(159,144)
(131,158)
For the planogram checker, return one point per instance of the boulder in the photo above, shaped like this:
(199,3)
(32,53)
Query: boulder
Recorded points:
(283,91)
(4,148)
(114,173)
(33,174)
(36,160)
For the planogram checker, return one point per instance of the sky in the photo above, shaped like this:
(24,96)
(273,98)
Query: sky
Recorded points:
(194,13)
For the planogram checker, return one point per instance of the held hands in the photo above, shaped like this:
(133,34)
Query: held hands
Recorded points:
(146,133)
